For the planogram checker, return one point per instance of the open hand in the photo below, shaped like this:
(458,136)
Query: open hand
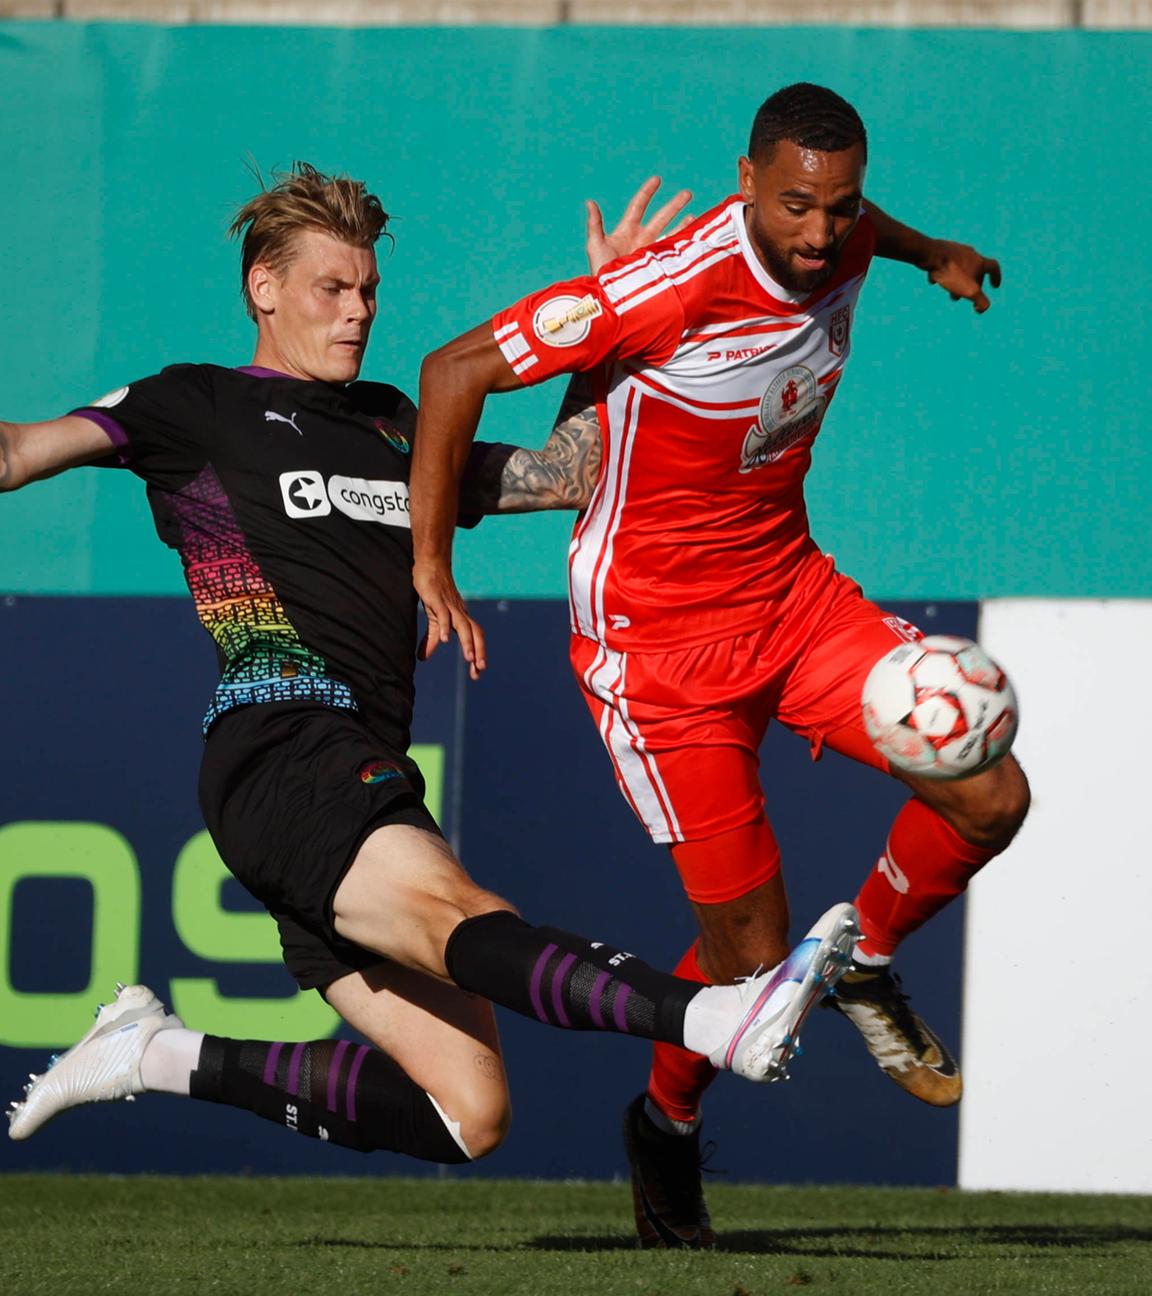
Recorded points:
(446,612)
(960,270)
(632,231)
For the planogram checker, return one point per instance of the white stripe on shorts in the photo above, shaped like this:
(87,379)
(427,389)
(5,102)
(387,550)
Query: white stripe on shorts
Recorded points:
(635,766)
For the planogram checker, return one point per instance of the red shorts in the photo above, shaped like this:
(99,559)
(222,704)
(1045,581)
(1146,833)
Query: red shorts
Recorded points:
(684,728)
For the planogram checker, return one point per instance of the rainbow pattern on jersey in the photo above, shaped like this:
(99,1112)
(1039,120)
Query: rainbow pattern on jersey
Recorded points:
(380,771)
(264,658)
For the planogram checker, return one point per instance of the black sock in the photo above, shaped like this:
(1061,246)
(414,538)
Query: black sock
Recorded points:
(330,1089)
(565,980)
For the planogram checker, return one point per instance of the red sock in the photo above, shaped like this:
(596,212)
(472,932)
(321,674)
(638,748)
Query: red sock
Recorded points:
(925,864)
(679,1078)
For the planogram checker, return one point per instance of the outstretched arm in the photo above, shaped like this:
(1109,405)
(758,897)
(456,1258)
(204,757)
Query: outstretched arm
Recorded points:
(561,475)
(454,382)
(32,451)
(959,269)
(635,228)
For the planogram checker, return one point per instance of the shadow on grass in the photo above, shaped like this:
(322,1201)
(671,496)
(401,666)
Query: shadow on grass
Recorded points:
(608,1243)
(878,1243)
(826,1243)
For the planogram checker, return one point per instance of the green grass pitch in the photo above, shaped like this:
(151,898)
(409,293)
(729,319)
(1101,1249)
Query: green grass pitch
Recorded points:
(65,1233)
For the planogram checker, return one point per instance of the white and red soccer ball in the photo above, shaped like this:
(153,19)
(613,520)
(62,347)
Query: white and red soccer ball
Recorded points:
(940,708)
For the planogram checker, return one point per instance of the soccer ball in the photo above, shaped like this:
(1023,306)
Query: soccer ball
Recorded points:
(940,708)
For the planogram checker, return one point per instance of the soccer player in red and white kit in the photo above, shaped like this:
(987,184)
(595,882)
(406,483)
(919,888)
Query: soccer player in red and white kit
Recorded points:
(701,606)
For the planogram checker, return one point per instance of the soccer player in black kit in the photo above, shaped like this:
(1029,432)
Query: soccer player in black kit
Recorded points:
(283,485)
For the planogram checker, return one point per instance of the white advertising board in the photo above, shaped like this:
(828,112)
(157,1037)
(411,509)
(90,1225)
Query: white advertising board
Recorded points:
(1058,957)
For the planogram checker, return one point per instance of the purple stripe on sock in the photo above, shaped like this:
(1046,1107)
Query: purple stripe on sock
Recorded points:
(334,1072)
(618,1015)
(596,1007)
(294,1069)
(353,1076)
(537,976)
(558,989)
(270,1064)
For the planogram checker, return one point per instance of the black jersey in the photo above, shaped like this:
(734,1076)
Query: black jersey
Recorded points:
(287,501)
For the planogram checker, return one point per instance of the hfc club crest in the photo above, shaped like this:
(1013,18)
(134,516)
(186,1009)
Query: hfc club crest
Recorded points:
(790,410)
(838,330)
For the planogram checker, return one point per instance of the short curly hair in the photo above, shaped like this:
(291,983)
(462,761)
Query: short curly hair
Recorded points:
(809,115)
(303,198)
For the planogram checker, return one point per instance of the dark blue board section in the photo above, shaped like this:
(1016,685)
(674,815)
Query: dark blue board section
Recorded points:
(104,698)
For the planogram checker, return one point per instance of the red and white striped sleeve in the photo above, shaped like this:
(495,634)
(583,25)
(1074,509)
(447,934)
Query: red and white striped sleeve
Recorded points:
(631,310)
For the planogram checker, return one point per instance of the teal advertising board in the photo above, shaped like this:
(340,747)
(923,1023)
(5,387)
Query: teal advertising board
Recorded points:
(966,457)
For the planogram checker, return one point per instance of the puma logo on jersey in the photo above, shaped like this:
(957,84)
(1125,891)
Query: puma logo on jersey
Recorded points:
(270,416)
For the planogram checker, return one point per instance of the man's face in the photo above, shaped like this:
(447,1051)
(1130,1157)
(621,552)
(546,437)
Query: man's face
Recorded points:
(314,317)
(802,205)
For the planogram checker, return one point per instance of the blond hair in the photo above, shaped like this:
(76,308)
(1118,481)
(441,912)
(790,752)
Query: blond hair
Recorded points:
(303,199)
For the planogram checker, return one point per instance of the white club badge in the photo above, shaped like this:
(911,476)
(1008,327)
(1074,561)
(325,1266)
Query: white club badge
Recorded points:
(790,410)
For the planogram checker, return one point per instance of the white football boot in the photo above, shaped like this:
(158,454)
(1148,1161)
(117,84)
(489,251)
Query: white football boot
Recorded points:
(103,1066)
(775,1003)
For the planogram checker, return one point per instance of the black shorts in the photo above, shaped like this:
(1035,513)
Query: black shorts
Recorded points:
(289,792)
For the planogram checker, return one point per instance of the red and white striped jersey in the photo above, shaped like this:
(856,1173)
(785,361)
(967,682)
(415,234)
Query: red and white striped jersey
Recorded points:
(715,383)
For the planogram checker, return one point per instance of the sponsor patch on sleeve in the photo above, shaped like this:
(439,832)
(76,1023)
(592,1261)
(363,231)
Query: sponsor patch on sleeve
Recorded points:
(565,320)
(109,399)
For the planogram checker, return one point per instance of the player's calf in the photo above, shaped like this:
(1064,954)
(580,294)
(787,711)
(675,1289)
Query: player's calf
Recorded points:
(565,980)
(986,810)
(332,1090)
(776,1003)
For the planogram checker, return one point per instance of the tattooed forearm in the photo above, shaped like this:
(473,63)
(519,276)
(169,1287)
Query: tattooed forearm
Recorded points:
(562,475)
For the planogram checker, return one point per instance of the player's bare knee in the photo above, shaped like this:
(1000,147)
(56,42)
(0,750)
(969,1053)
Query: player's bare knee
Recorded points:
(479,902)
(481,1106)
(995,819)
(484,1132)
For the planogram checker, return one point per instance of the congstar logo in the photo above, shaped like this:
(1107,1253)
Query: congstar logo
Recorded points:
(306,494)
